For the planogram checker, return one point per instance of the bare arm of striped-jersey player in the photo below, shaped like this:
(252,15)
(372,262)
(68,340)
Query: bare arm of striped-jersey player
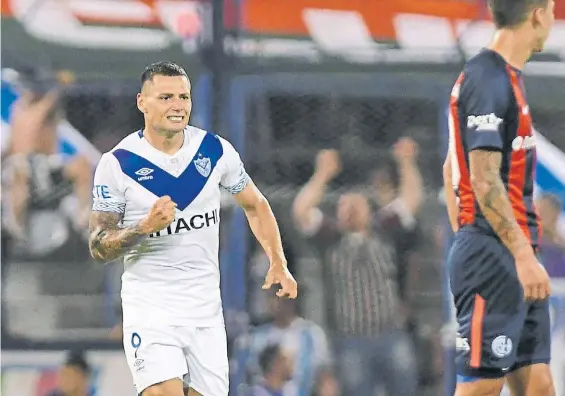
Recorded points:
(485,106)
(108,240)
(450,196)
(261,220)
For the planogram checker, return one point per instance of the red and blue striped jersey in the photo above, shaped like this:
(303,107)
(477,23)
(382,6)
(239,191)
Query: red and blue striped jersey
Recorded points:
(489,111)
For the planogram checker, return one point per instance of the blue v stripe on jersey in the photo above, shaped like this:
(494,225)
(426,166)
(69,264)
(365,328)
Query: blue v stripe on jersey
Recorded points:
(182,189)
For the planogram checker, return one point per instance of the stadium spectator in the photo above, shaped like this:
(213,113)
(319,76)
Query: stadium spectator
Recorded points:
(366,305)
(74,377)
(552,252)
(397,194)
(276,368)
(549,208)
(303,340)
(48,191)
(326,384)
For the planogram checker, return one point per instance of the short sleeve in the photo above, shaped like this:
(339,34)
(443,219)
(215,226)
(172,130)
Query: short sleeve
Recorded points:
(485,103)
(234,178)
(108,194)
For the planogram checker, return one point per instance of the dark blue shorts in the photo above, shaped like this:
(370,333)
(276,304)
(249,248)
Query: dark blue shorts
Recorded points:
(498,331)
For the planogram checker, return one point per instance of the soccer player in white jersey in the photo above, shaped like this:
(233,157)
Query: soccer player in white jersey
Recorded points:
(157,205)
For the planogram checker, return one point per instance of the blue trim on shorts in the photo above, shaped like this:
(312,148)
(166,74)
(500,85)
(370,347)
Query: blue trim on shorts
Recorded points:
(462,379)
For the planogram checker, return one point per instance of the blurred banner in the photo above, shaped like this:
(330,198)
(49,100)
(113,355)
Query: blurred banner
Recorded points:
(396,31)
(125,34)
(128,32)
(35,373)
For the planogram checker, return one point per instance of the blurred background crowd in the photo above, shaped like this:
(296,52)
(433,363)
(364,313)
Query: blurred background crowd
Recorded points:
(338,109)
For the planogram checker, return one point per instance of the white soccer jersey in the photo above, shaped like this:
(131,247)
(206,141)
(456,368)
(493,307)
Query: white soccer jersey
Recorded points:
(173,277)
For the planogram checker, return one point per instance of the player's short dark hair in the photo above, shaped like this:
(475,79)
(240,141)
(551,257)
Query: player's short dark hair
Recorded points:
(168,69)
(511,13)
(268,356)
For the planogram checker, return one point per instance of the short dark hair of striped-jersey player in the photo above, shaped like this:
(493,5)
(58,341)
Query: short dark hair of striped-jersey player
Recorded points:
(168,69)
(511,13)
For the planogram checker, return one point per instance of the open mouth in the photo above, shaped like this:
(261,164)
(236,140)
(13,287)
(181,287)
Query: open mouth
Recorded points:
(175,118)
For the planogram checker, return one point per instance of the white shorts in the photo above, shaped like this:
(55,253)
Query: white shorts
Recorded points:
(159,354)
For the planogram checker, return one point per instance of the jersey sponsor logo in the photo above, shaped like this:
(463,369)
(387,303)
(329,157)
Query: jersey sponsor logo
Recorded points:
(144,174)
(101,191)
(203,165)
(488,122)
(196,222)
(501,346)
(523,143)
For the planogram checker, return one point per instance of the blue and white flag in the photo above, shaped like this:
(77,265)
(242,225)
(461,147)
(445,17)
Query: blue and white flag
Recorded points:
(71,142)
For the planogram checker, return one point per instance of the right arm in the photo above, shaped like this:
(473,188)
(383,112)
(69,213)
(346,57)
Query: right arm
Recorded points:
(107,241)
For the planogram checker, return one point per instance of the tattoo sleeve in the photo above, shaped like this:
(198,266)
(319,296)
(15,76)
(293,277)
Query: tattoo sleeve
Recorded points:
(108,241)
(493,198)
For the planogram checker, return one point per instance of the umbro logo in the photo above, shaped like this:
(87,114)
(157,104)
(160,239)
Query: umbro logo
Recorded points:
(138,364)
(144,174)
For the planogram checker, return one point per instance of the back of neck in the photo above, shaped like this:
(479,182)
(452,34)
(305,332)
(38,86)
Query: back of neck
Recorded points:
(512,47)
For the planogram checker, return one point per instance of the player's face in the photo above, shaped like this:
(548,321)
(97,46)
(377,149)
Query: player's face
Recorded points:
(543,21)
(166,103)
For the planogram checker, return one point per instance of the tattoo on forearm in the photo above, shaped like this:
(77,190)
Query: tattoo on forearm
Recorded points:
(107,241)
(493,198)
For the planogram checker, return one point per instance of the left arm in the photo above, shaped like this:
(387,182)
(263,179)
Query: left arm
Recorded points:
(265,228)
(450,196)
(261,220)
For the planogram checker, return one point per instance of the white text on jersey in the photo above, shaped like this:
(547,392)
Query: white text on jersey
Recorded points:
(489,122)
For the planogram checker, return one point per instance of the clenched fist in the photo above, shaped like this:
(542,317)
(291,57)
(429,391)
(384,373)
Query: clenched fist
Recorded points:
(405,149)
(328,164)
(162,214)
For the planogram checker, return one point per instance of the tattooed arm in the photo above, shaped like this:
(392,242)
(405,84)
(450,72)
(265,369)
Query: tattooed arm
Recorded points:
(108,241)
(494,201)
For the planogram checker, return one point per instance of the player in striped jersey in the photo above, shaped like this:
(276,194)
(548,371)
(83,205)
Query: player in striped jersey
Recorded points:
(500,289)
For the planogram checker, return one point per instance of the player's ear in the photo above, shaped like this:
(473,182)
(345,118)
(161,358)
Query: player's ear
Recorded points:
(536,17)
(141,103)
